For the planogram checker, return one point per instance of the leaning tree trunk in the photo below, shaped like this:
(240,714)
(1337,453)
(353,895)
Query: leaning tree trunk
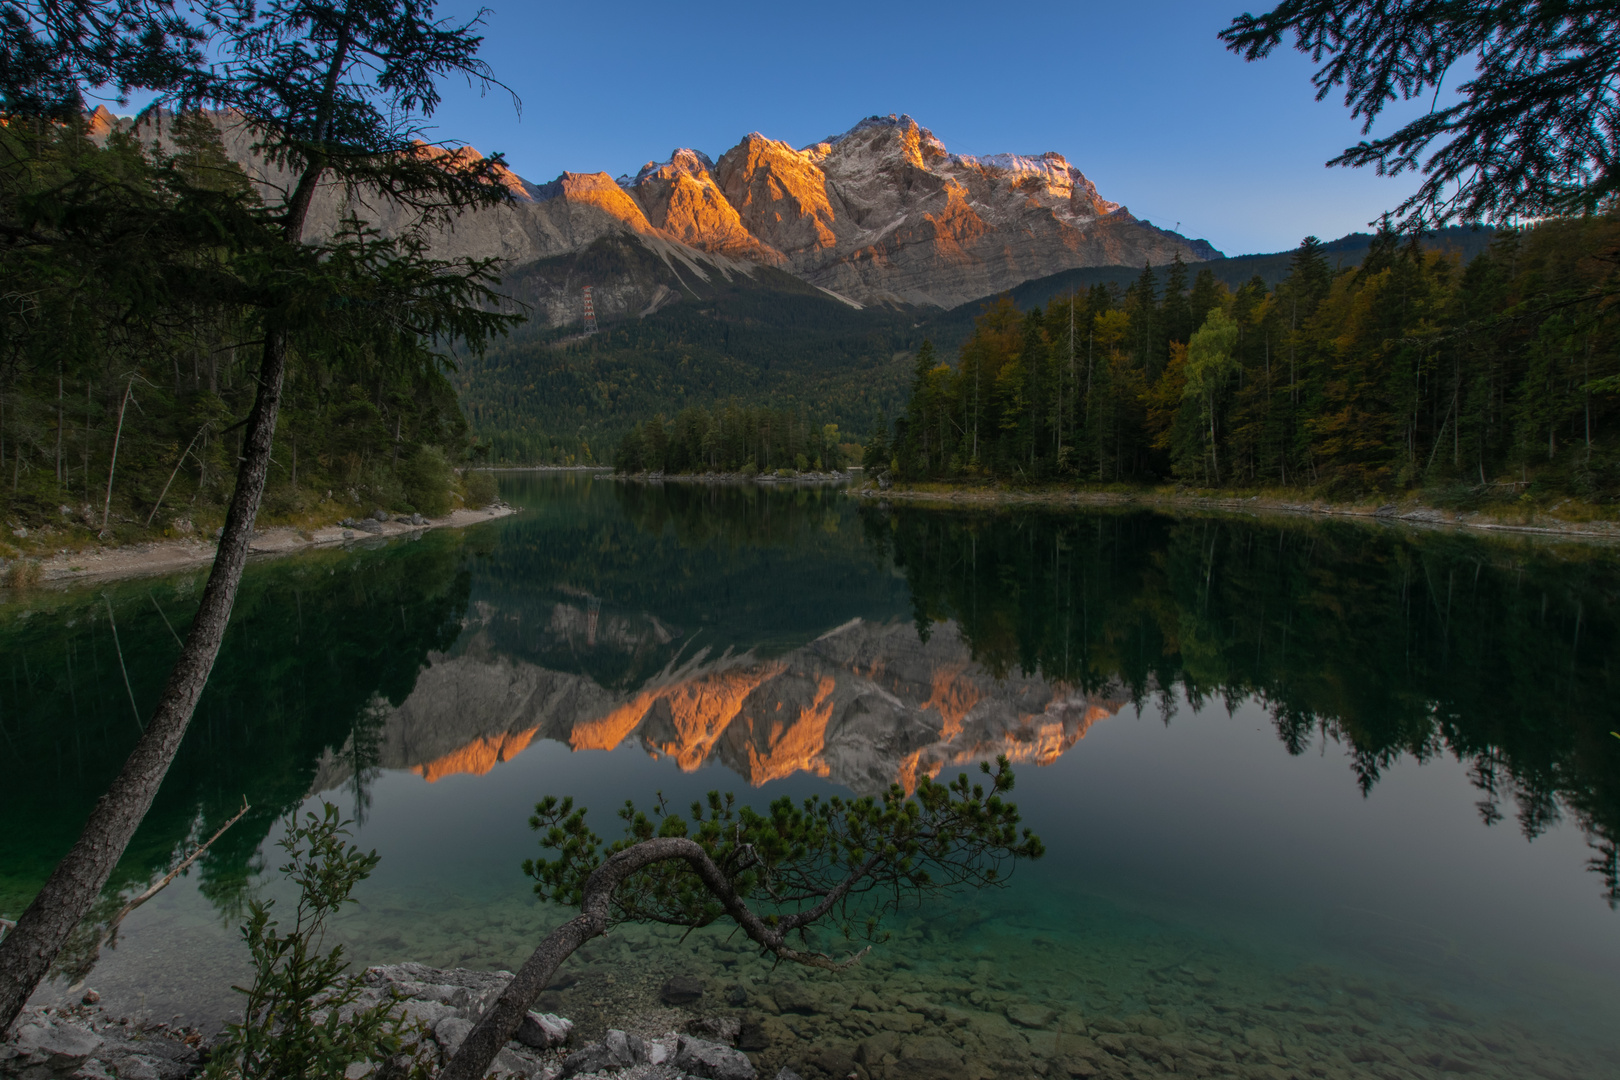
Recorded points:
(26,953)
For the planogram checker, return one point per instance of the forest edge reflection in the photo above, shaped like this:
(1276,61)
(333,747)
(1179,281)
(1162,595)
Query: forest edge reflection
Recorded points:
(1025,627)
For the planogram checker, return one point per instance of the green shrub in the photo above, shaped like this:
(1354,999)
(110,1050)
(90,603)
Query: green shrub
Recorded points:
(21,574)
(301,1018)
(480,487)
(427,478)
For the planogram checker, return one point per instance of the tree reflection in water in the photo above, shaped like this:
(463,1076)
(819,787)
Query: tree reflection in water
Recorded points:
(1391,642)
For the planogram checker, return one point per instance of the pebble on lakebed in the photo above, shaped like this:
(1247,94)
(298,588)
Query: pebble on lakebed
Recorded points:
(887,1023)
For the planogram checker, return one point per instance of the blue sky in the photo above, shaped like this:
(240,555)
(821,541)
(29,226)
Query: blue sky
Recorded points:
(1140,96)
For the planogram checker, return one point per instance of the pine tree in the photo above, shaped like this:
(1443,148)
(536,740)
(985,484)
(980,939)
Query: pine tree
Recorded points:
(333,92)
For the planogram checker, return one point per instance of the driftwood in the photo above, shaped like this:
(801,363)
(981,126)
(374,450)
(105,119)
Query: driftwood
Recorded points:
(112,926)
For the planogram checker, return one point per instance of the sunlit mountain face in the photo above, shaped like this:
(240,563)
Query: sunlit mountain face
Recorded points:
(882,213)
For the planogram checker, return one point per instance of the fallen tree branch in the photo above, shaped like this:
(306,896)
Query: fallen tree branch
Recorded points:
(112,926)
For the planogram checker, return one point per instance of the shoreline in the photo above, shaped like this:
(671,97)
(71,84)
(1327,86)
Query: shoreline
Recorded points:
(171,556)
(733,478)
(1409,513)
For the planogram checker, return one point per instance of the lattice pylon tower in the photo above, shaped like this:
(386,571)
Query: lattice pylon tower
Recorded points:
(590,312)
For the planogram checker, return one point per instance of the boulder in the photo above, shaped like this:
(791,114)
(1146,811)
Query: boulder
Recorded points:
(871,1051)
(796,997)
(617,1050)
(426,1013)
(135,1067)
(834,1060)
(509,1065)
(59,1040)
(544,1030)
(927,1057)
(450,1032)
(752,1036)
(702,1058)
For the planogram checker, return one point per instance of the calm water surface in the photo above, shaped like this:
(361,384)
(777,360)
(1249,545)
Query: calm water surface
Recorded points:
(1319,799)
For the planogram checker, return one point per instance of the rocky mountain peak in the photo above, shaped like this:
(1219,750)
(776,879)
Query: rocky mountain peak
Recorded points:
(693,163)
(681,198)
(101,122)
(882,212)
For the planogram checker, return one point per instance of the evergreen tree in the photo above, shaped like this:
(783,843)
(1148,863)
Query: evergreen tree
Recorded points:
(1536,127)
(1176,314)
(333,92)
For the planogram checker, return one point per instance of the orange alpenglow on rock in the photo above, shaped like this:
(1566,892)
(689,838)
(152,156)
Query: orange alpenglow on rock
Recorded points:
(882,213)
(465,157)
(681,198)
(101,122)
(865,706)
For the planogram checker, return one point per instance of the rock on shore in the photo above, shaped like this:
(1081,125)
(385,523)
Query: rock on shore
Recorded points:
(83,1042)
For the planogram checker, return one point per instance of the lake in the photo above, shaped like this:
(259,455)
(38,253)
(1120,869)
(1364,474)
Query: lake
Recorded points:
(1319,798)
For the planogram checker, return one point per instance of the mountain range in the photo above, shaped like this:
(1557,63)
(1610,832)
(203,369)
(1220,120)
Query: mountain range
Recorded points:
(801,279)
(882,213)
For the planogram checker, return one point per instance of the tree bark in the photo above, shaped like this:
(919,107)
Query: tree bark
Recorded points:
(26,953)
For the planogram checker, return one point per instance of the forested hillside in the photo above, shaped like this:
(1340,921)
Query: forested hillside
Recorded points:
(1408,370)
(951,328)
(762,341)
(755,344)
(127,355)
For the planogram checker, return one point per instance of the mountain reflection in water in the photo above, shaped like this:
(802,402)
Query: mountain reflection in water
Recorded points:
(865,705)
(800,631)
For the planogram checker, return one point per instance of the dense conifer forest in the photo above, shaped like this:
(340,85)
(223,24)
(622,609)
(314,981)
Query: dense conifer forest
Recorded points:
(128,352)
(1411,370)
(730,439)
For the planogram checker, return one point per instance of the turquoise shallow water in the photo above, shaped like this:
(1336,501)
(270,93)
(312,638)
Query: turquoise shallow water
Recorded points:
(1321,800)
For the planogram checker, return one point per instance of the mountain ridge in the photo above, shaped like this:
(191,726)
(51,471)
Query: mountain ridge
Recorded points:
(882,213)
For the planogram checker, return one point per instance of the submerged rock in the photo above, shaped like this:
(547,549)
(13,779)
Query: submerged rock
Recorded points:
(720,1029)
(681,990)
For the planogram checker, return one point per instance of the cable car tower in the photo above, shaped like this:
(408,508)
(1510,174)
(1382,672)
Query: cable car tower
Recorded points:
(590,313)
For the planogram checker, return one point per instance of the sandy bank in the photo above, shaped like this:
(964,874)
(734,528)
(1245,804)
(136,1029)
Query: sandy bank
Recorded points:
(169,556)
